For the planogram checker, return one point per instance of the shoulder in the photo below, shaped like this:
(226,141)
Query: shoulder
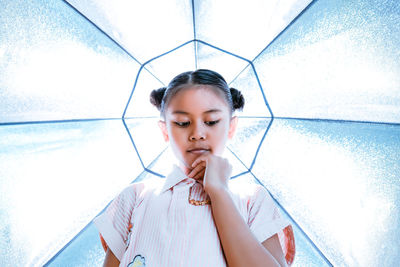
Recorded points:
(251,195)
(143,187)
(246,188)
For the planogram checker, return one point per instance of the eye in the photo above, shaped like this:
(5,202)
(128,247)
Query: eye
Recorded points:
(182,124)
(211,123)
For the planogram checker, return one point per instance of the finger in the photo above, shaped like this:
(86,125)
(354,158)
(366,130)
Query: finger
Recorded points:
(196,169)
(199,164)
(198,160)
(200,174)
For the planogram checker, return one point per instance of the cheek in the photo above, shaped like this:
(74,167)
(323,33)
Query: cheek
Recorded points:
(177,137)
(220,136)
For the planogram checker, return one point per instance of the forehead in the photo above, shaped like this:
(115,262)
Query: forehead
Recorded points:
(197,99)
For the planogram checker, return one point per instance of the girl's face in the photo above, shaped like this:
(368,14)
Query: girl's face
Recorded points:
(197,122)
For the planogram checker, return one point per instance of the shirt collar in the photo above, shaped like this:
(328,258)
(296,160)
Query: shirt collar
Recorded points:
(175,177)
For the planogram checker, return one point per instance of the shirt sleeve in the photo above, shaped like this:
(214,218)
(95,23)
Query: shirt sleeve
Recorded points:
(113,224)
(264,217)
(265,221)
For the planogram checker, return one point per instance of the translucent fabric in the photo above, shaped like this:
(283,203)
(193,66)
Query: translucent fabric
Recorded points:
(338,60)
(155,74)
(227,65)
(142,132)
(345,175)
(54,178)
(140,25)
(255,96)
(250,135)
(244,27)
(61,68)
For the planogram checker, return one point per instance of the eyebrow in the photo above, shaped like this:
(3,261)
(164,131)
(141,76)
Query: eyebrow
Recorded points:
(186,113)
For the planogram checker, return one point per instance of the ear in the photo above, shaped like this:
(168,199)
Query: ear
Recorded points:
(164,130)
(232,127)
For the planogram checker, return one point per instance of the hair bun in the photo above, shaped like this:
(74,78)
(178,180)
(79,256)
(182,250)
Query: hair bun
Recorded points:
(156,97)
(237,99)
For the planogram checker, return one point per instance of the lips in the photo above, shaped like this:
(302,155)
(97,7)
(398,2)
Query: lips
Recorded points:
(198,150)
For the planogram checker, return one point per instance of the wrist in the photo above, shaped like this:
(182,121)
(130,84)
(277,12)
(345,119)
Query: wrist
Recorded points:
(219,192)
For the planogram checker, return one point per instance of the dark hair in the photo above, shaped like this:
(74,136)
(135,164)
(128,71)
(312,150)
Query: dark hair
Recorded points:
(161,97)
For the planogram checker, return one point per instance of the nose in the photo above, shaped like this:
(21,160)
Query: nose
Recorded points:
(198,133)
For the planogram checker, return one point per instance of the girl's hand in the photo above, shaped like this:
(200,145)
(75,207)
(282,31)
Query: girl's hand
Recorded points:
(215,170)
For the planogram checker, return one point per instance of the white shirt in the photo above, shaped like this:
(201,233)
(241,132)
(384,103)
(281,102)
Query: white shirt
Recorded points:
(168,231)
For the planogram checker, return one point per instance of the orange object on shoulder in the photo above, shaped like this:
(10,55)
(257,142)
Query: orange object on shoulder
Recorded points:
(290,247)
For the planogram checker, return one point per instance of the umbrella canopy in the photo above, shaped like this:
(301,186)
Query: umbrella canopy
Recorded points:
(320,128)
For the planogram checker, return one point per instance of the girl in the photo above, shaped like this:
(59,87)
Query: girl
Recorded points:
(196,216)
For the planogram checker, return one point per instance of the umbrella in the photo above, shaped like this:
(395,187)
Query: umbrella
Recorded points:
(320,129)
